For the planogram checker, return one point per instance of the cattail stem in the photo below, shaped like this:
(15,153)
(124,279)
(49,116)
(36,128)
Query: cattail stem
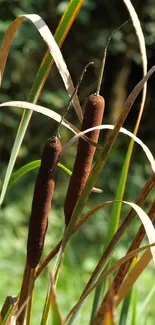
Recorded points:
(30,294)
(100,78)
(74,93)
(23,294)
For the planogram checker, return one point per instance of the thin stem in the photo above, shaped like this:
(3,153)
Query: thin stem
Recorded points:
(24,293)
(104,58)
(30,302)
(74,93)
(46,309)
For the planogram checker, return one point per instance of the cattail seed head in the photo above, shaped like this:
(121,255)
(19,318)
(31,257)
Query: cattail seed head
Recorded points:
(93,115)
(41,203)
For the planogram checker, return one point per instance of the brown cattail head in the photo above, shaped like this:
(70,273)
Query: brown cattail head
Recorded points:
(93,115)
(41,203)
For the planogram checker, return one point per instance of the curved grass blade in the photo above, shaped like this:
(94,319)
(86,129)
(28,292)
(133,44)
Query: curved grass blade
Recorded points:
(122,130)
(30,166)
(23,170)
(35,164)
(123,270)
(123,178)
(17,143)
(42,110)
(116,210)
(150,231)
(57,118)
(147,223)
(61,32)
(47,112)
(115,215)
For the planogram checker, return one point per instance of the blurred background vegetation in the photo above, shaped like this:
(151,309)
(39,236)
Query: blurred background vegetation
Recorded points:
(85,43)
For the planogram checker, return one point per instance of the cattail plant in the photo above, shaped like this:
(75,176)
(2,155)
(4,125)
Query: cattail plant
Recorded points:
(41,204)
(43,193)
(93,115)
